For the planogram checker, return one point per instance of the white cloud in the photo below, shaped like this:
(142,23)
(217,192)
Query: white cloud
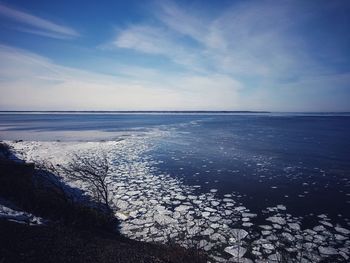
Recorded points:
(36,24)
(186,23)
(145,39)
(29,82)
(256,42)
(249,39)
(248,57)
(159,41)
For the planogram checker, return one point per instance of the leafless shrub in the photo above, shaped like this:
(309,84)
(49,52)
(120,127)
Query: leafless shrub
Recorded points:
(95,171)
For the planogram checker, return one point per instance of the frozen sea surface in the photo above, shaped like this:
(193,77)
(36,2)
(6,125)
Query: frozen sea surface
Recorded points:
(237,185)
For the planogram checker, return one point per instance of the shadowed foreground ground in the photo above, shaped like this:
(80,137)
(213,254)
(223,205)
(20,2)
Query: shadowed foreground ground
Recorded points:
(55,243)
(74,232)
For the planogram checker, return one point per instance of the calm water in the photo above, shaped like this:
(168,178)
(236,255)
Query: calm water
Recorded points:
(301,161)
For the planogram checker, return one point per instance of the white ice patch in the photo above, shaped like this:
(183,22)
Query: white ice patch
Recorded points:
(159,208)
(19,216)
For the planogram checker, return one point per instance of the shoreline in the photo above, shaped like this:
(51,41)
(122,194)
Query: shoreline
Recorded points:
(65,231)
(218,224)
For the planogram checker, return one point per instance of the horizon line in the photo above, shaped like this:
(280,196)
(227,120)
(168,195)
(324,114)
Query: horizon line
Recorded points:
(164,111)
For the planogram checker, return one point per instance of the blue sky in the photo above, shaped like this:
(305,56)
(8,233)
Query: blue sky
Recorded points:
(175,55)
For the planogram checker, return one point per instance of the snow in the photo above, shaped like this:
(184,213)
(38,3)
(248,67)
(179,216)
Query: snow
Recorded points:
(18,216)
(157,207)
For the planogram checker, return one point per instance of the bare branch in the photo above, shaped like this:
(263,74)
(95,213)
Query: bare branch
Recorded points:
(95,171)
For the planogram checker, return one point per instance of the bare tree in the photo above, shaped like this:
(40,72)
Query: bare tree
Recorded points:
(95,171)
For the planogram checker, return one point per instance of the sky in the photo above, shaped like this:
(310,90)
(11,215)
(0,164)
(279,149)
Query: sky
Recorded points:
(175,55)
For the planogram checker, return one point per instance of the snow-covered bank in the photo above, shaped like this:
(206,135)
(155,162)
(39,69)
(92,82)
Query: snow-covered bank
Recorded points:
(160,208)
(8,212)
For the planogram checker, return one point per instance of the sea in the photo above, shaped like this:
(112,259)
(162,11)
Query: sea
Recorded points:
(298,160)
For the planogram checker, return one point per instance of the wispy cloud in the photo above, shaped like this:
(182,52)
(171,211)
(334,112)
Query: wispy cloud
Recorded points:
(156,40)
(252,55)
(257,39)
(36,25)
(30,81)
(142,38)
(256,45)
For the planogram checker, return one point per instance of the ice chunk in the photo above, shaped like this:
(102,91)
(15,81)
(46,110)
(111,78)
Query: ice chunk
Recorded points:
(342,230)
(319,228)
(281,207)
(208,232)
(249,215)
(239,234)
(132,193)
(327,250)
(288,236)
(240,208)
(236,251)
(276,219)
(121,216)
(205,214)
(268,246)
(182,208)
(326,223)
(215,203)
(275,258)
(164,219)
(209,209)
(294,226)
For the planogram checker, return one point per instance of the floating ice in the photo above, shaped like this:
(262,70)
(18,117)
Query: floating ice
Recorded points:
(236,251)
(248,215)
(327,250)
(158,208)
(182,208)
(342,230)
(294,226)
(281,207)
(288,236)
(326,223)
(268,246)
(208,232)
(319,228)
(121,216)
(276,219)
(275,258)
(239,234)
(266,227)
(215,203)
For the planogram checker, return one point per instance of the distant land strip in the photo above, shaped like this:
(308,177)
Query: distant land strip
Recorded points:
(129,111)
(333,113)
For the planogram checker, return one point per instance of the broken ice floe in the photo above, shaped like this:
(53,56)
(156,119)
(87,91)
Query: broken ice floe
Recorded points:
(156,207)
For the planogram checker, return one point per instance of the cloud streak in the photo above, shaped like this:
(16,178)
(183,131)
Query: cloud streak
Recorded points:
(255,44)
(29,81)
(248,39)
(252,55)
(32,82)
(36,24)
